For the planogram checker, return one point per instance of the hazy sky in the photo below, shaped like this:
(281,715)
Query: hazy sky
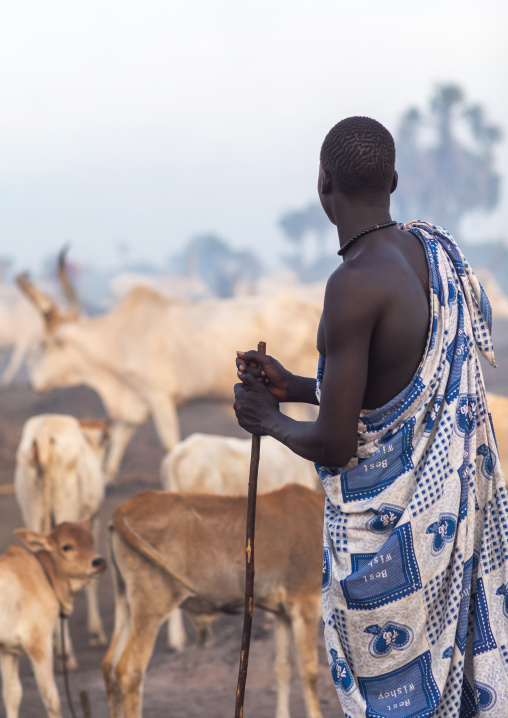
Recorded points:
(147,122)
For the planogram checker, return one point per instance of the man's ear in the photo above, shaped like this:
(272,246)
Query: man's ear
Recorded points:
(325,181)
(395,182)
(33,540)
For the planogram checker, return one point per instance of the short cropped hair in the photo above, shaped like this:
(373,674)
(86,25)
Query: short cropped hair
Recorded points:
(359,154)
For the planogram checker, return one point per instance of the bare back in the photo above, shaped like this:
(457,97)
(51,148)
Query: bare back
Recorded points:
(372,335)
(391,282)
(400,335)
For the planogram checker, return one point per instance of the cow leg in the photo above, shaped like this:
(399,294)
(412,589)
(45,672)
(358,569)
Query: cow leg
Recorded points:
(11,685)
(283,664)
(121,434)
(165,419)
(177,637)
(115,650)
(131,668)
(203,627)
(42,665)
(304,621)
(15,361)
(96,635)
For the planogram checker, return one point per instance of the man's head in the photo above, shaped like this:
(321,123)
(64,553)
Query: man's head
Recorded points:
(358,159)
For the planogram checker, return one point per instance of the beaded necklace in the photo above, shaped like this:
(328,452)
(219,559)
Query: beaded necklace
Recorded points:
(353,239)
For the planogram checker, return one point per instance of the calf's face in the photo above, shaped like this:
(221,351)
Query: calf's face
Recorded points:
(71,548)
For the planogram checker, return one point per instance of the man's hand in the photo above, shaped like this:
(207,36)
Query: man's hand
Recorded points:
(265,370)
(253,403)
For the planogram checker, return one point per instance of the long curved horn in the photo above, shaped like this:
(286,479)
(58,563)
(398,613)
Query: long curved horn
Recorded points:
(65,281)
(42,302)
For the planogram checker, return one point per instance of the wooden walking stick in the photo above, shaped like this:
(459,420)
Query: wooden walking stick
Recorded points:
(249,567)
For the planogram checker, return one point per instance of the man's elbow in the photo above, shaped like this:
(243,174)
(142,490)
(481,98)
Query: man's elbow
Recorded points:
(338,452)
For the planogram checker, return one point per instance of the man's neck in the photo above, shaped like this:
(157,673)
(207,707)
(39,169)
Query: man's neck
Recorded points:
(355,216)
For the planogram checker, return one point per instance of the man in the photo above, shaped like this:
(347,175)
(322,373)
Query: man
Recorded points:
(415,576)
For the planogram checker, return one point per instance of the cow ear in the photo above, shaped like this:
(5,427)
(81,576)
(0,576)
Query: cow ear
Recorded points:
(33,540)
(85,524)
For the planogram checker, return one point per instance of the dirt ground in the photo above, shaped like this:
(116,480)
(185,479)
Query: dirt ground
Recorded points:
(196,682)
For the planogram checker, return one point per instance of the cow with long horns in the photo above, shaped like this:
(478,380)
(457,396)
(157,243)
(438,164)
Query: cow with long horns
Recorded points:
(151,354)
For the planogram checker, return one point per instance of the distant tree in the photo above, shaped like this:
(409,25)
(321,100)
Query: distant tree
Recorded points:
(294,227)
(301,226)
(445,161)
(217,264)
(318,224)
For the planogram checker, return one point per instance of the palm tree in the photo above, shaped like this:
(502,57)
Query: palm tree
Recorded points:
(452,175)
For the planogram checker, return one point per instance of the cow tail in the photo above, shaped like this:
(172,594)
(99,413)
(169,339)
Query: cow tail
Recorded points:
(43,486)
(118,578)
(134,539)
(138,543)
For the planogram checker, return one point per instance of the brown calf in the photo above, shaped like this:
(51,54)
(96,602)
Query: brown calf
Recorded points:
(35,585)
(188,550)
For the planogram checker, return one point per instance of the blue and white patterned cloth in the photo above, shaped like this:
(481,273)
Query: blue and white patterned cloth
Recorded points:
(415,575)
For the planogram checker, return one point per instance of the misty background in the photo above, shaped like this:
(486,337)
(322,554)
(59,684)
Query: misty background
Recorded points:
(183,138)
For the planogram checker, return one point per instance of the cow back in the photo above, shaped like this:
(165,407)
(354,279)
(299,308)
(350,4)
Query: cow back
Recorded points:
(202,537)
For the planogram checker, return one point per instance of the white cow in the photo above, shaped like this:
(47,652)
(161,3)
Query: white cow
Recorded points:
(35,584)
(210,464)
(21,324)
(151,354)
(21,327)
(59,477)
(206,463)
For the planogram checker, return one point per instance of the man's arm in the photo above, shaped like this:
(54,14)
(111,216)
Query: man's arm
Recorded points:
(284,385)
(350,313)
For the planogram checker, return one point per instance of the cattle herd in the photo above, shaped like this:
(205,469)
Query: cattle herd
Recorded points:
(177,550)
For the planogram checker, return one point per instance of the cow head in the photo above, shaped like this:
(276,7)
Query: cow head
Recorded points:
(71,549)
(57,360)
(72,352)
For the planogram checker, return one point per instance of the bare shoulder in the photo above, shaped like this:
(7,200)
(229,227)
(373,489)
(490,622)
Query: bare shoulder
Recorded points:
(351,308)
(353,289)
